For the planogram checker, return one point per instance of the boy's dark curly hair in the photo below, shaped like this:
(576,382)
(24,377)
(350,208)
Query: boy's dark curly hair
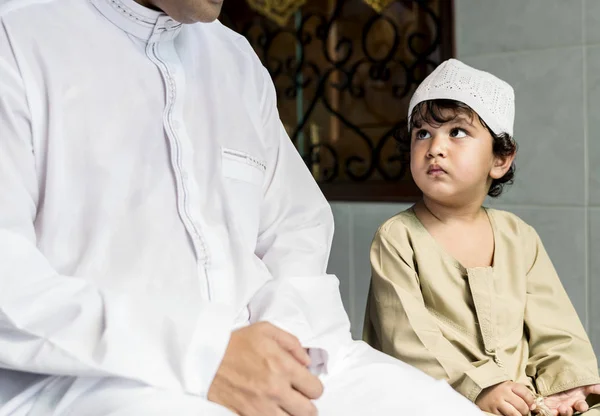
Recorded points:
(432,112)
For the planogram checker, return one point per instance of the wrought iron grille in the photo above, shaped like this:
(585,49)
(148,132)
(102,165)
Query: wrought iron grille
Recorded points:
(344,75)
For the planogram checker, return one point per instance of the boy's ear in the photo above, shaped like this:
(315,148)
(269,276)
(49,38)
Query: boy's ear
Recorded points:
(501,165)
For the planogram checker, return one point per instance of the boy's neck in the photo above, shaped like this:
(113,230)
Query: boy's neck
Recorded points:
(446,213)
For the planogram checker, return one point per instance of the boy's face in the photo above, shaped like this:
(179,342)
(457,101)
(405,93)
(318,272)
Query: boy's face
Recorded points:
(454,162)
(187,11)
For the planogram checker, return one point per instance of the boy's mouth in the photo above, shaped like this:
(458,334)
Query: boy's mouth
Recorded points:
(435,170)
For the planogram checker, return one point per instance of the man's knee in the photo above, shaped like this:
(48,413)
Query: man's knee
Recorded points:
(119,397)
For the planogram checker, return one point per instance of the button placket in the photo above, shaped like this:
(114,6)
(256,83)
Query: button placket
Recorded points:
(181,166)
(481,286)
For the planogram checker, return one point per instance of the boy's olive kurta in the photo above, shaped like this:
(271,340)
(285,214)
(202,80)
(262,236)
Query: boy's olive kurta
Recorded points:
(476,327)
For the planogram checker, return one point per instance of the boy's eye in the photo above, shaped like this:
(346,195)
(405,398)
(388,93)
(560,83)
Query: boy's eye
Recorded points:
(458,133)
(422,134)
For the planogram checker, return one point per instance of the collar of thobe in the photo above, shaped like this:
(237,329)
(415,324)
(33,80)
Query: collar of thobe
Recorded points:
(139,21)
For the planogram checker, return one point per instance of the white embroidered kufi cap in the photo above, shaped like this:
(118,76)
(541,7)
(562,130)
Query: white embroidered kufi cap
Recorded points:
(490,97)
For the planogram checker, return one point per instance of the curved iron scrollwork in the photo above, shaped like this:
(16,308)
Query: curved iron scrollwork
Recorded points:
(406,57)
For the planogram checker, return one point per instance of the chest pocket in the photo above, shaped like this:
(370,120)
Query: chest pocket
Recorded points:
(242,167)
(243,176)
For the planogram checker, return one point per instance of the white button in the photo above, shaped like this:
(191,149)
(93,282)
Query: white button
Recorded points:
(184,176)
(170,23)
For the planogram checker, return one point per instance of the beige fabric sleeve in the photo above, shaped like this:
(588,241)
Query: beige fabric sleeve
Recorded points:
(399,324)
(561,356)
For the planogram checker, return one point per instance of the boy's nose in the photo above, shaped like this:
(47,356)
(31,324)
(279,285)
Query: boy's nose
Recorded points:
(438,147)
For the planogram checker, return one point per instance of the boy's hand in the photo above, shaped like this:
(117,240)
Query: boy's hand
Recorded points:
(570,401)
(506,399)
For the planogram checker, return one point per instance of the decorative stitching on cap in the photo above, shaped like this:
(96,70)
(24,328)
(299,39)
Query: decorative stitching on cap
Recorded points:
(489,96)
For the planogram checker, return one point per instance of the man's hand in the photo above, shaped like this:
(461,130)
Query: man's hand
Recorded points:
(570,401)
(506,399)
(263,373)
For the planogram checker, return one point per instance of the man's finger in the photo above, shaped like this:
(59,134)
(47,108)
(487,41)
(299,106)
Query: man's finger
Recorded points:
(564,410)
(305,382)
(291,344)
(274,410)
(524,393)
(581,406)
(294,403)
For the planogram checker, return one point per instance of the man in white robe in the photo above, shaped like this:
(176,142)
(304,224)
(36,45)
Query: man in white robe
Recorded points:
(162,245)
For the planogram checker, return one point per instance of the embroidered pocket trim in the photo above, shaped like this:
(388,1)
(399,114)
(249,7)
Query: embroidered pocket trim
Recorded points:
(242,166)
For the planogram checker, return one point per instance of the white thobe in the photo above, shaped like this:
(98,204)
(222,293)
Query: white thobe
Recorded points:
(150,202)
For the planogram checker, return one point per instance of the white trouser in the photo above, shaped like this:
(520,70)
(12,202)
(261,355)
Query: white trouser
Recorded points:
(364,382)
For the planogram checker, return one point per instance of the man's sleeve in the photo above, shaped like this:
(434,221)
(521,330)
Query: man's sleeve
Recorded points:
(561,356)
(296,230)
(398,323)
(64,325)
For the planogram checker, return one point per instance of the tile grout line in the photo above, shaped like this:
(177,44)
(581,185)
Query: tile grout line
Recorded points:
(542,205)
(586,187)
(528,51)
(522,51)
(536,206)
(351,271)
